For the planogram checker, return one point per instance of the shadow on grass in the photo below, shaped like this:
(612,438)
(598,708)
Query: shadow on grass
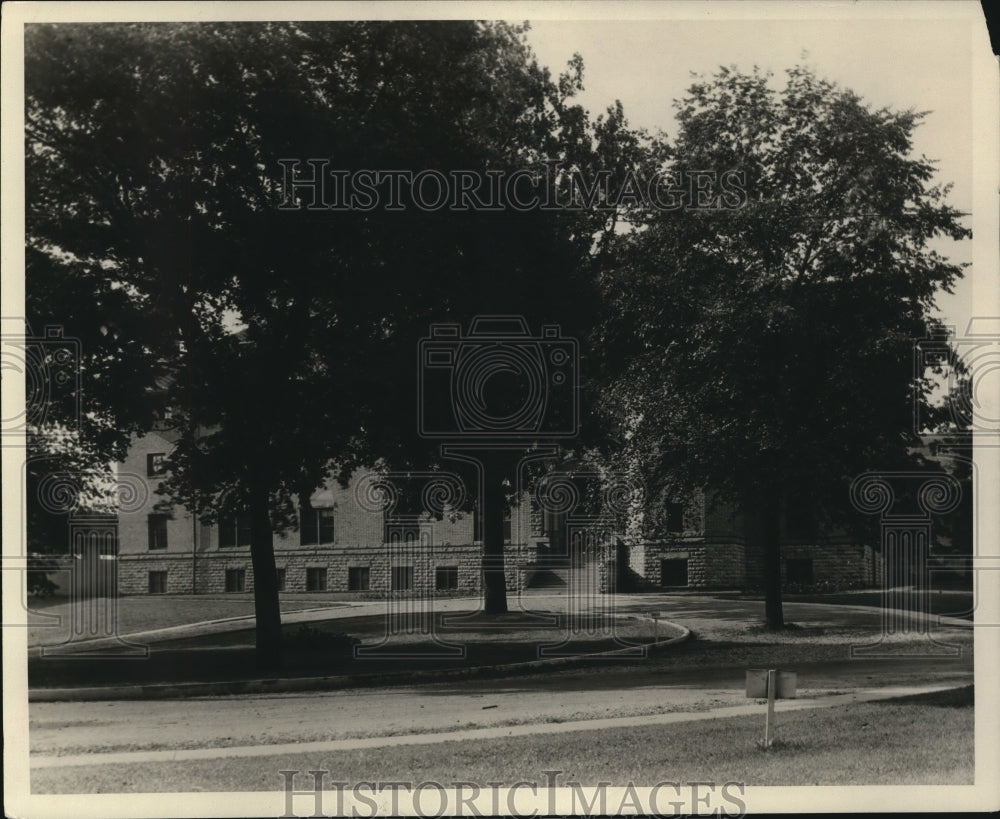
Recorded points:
(788,628)
(955,698)
(322,649)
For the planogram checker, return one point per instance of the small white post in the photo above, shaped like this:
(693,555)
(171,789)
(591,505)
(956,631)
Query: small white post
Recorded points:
(772,685)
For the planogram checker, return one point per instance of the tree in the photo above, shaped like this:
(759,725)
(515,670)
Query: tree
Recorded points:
(156,190)
(761,343)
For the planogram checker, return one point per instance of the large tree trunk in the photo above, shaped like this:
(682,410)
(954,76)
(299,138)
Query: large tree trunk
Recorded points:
(265,582)
(764,535)
(494,502)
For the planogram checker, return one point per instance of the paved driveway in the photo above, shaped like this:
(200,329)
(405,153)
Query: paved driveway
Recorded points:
(704,674)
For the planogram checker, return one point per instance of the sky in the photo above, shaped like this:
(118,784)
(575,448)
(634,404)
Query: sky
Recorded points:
(925,65)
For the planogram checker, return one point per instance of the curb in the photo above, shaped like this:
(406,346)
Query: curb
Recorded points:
(161,691)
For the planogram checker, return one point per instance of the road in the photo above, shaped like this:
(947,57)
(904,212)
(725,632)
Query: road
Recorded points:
(699,676)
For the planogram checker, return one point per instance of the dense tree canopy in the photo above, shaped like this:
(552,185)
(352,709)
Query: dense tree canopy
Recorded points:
(759,344)
(157,201)
(765,350)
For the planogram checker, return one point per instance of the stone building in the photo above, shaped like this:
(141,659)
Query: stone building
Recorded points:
(341,546)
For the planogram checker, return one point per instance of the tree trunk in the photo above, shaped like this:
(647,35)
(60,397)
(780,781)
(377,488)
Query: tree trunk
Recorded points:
(494,503)
(765,539)
(265,582)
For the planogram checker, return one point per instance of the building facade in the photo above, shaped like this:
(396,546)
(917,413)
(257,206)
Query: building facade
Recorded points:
(343,547)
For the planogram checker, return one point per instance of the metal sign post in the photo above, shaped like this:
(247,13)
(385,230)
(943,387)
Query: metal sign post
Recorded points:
(775,685)
(656,625)
(772,685)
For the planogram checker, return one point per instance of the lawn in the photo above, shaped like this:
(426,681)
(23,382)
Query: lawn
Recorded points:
(947,602)
(148,612)
(925,740)
(312,650)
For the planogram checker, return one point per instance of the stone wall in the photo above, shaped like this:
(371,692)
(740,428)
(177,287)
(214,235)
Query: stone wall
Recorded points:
(209,569)
(709,565)
(840,564)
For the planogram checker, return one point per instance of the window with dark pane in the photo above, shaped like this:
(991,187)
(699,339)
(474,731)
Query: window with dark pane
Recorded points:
(446,578)
(358,578)
(316,578)
(402,578)
(675,518)
(156,464)
(157,527)
(158,582)
(799,570)
(674,571)
(236,580)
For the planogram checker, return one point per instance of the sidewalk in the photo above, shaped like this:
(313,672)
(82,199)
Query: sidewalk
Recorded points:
(328,746)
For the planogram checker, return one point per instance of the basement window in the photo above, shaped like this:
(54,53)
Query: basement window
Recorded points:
(158,582)
(358,578)
(236,580)
(799,570)
(446,578)
(316,579)
(402,578)
(674,572)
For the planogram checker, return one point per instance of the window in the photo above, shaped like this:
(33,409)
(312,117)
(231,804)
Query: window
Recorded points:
(674,572)
(358,578)
(799,570)
(316,579)
(552,522)
(446,578)
(281,579)
(234,530)
(506,525)
(675,518)
(158,582)
(157,525)
(403,525)
(156,464)
(236,580)
(402,578)
(316,526)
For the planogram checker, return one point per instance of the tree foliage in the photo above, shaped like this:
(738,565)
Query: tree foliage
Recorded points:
(154,200)
(765,351)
